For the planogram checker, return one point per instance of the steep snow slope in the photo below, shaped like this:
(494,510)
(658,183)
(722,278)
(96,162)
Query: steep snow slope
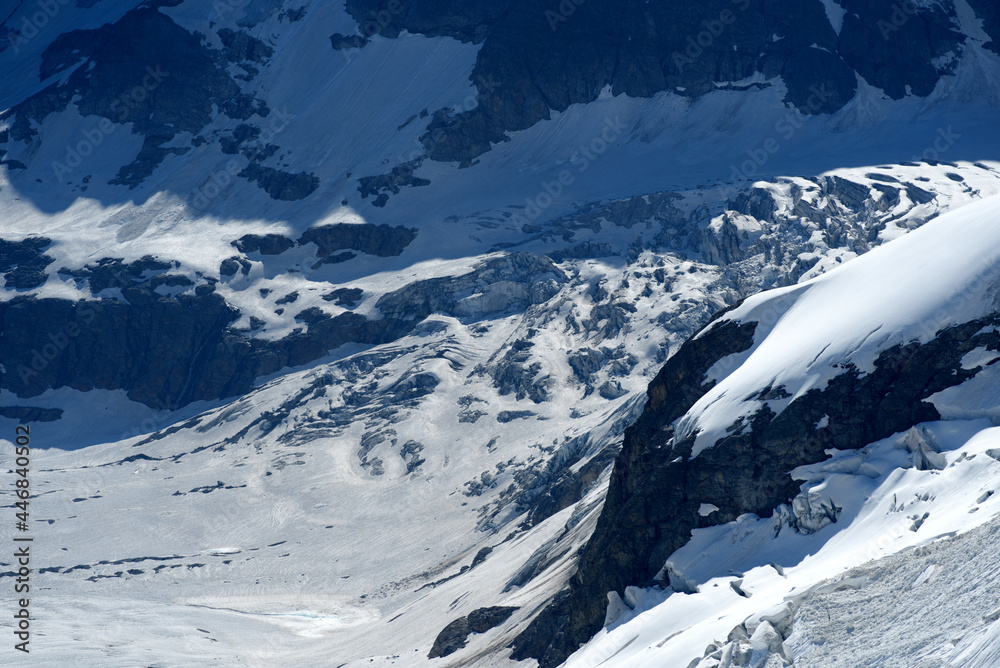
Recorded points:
(936,480)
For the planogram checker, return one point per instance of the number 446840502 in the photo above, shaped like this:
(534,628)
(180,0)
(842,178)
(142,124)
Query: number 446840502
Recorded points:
(23,454)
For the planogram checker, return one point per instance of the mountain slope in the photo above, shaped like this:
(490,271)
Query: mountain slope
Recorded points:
(332,316)
(891,343)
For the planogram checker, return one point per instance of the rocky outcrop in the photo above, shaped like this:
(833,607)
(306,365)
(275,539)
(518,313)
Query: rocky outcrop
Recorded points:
(511,281)
(380,240)
(265,244)
(381,185)
(657,487)
(279,184)
(23,263)
(239,47)
(454,636)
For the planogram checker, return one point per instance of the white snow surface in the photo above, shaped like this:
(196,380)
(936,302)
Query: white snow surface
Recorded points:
(883,555)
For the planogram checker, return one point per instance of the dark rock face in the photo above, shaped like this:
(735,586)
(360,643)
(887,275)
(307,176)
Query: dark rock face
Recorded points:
(892,48)
(25,414)
(167,349)
(380,240)
(240,46)
(147,71)
(135,278)
(381,186)
(23,263)
(230,266)
(468,21)
(279,184)
(525,279)
(346,297)
(567,487)
(451,639)
(241,134)
(656,487)
(165,352)
(342,42)
(454,636)
(540,56)
(266,244)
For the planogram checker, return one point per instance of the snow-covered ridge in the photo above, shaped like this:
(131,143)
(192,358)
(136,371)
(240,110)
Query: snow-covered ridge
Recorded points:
(862,540)
(945,273)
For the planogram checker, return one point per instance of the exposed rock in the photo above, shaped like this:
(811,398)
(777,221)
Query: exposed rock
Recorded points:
(25,414)
(266,244)
(164,351)
(230,266)
(380,240)
(23,263)
(504,417)
(346,297)
(470,415)
(241,133)
(566,486)
(144,273)
(451,639)
(281,185)
(756,202)
(612,390)
(239,46)
(989,13)
(454,636)
(512,281)
(585,363)
(343,42)
(401,176)
(481,556)
(587,249)
(895,54)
